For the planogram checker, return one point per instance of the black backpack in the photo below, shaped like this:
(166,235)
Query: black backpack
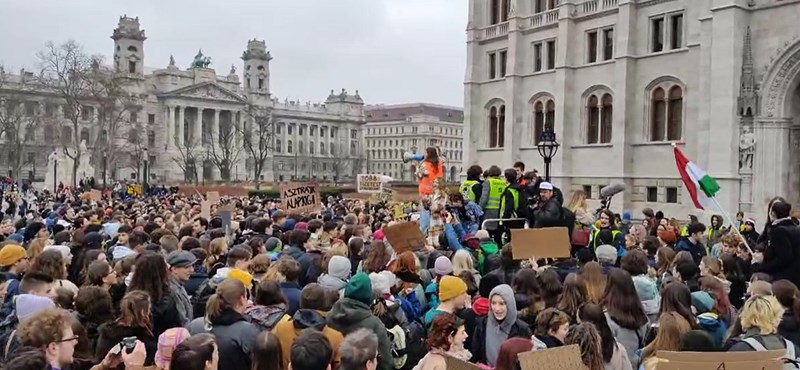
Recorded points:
(415,344)
(201,296)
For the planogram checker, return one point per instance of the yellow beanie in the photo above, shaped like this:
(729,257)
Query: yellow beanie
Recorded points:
(242,276)
(451,287)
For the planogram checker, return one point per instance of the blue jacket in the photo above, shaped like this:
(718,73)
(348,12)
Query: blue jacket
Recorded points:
(291,291)
(698,251)
(306,264)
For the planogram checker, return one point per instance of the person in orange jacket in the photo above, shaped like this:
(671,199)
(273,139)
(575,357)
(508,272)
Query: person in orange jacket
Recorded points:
(431,169)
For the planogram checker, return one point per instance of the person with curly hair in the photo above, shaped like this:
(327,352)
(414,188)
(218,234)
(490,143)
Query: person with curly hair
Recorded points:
(51,263)
(446,338)
(588,340)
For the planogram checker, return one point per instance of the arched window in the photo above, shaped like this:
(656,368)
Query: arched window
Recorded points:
(658,115)
(497,124)
(607,121)
(85,135)
(593,118)
(544,115)
(278,147)
(289,147)
(666,111)
(675,115)
(493,127)
(599,117)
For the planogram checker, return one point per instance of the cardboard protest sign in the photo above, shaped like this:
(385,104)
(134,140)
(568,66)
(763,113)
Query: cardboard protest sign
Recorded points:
(560,358)
(205,210)
(213,197)
(405,236)
(766,360)
(226,214)
(369,183)
(548,242)
(300,197)
(96,195)
(453,363)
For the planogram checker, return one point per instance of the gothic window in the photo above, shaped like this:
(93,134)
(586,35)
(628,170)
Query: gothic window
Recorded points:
(85,135)
(133,49)
(260,82)
(497,123)
(131,67)
(666,112)
(544,115)
(599,116)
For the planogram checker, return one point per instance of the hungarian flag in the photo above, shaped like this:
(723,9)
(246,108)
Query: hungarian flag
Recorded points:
(701,187)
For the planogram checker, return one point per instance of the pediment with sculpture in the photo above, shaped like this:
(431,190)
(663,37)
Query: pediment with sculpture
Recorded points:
(205,91)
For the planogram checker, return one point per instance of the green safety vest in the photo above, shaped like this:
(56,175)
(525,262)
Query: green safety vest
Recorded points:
(596,232)
(515,195)
(466,190)
(496,187)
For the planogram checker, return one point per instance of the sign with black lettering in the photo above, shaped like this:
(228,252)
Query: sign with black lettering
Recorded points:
(369,183)
(300,197)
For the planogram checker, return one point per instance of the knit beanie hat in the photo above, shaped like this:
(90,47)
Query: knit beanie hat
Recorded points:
(702,302)
(28,305)
(382,282)
(482,234)
(167,342)
(11,254)
(359,288)
(339,267)
(451,287)
(242,276)
(443,266)
(273,244)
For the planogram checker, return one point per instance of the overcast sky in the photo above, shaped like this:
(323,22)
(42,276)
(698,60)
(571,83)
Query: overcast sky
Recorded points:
(392,51)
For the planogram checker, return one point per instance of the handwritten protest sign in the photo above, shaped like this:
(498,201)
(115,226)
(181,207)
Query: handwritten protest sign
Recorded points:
(226,214)
(453,363)
(213,197)
(560,358)
(205,210)
(300,197)
(548,242)
(766,360)
(96,195)
(405,236)
(369,183)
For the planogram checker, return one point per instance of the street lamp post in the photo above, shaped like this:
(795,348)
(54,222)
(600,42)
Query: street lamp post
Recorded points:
(146,174)
(55,175)
(105,167)
(548,147)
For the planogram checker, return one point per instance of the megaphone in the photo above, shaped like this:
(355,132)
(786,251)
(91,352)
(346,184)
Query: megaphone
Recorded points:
(408,157)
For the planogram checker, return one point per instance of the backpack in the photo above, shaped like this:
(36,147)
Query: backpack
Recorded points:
(397,337)
(790,360)
(415,343)
(201,296)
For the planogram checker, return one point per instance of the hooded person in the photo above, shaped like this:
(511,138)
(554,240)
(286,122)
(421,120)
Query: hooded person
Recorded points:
(353,312)
(313,303)
(500,324)
(335,280)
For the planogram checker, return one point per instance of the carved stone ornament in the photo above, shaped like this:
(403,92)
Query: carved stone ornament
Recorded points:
(776,84)
(747,148)
(209,92)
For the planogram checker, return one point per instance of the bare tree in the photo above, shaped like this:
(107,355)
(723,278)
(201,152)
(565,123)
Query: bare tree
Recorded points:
(66,71)
(20,118)
(224,149)
(188,157)
(258,134)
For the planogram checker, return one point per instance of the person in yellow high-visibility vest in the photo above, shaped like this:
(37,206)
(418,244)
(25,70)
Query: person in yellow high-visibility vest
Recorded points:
(472,187)
(491,193)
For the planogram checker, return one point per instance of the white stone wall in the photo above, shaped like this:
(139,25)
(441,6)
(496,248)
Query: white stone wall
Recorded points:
(707,65)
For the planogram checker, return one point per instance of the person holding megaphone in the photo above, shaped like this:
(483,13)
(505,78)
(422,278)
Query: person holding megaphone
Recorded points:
(431,169)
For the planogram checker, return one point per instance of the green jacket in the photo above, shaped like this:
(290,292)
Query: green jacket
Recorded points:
(349,315)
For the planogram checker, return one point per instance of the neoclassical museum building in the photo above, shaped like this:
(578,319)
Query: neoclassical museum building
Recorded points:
(620,81)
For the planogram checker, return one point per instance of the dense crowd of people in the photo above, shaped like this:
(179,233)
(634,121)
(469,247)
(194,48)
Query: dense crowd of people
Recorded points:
(148,282)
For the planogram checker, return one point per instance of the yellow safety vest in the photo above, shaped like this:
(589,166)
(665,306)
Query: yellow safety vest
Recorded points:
(596,232)
(515,196)
(466,190)
(496,187)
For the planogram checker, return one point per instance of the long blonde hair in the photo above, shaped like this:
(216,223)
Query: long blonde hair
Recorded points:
(229,293)
(576,200)
(462,261)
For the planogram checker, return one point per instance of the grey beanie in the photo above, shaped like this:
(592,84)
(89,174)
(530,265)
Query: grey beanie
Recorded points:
(339,267)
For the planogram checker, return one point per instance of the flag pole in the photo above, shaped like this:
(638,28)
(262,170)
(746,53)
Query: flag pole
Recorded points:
(729,221)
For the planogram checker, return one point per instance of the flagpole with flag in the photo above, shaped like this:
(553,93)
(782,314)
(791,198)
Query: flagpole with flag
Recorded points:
(702,188)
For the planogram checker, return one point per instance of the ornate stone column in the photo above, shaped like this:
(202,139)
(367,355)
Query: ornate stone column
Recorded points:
(181,135)
(170,123)
(214,136)
(772,161)
(197,136)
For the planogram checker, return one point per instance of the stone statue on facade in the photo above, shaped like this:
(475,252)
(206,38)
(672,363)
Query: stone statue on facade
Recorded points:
(747,148)
(233,69)
(171,61)
(201,61)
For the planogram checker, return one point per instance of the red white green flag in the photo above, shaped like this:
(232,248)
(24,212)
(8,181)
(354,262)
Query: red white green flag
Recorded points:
(700,186)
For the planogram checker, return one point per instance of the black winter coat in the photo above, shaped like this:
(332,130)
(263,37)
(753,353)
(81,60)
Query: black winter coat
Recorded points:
(782,253)
(112,333)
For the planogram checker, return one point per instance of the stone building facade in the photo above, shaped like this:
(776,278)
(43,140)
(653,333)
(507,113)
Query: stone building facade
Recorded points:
(392,130)
(195,110)
(620,81)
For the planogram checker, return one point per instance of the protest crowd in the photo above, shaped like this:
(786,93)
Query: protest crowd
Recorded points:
(179,280)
